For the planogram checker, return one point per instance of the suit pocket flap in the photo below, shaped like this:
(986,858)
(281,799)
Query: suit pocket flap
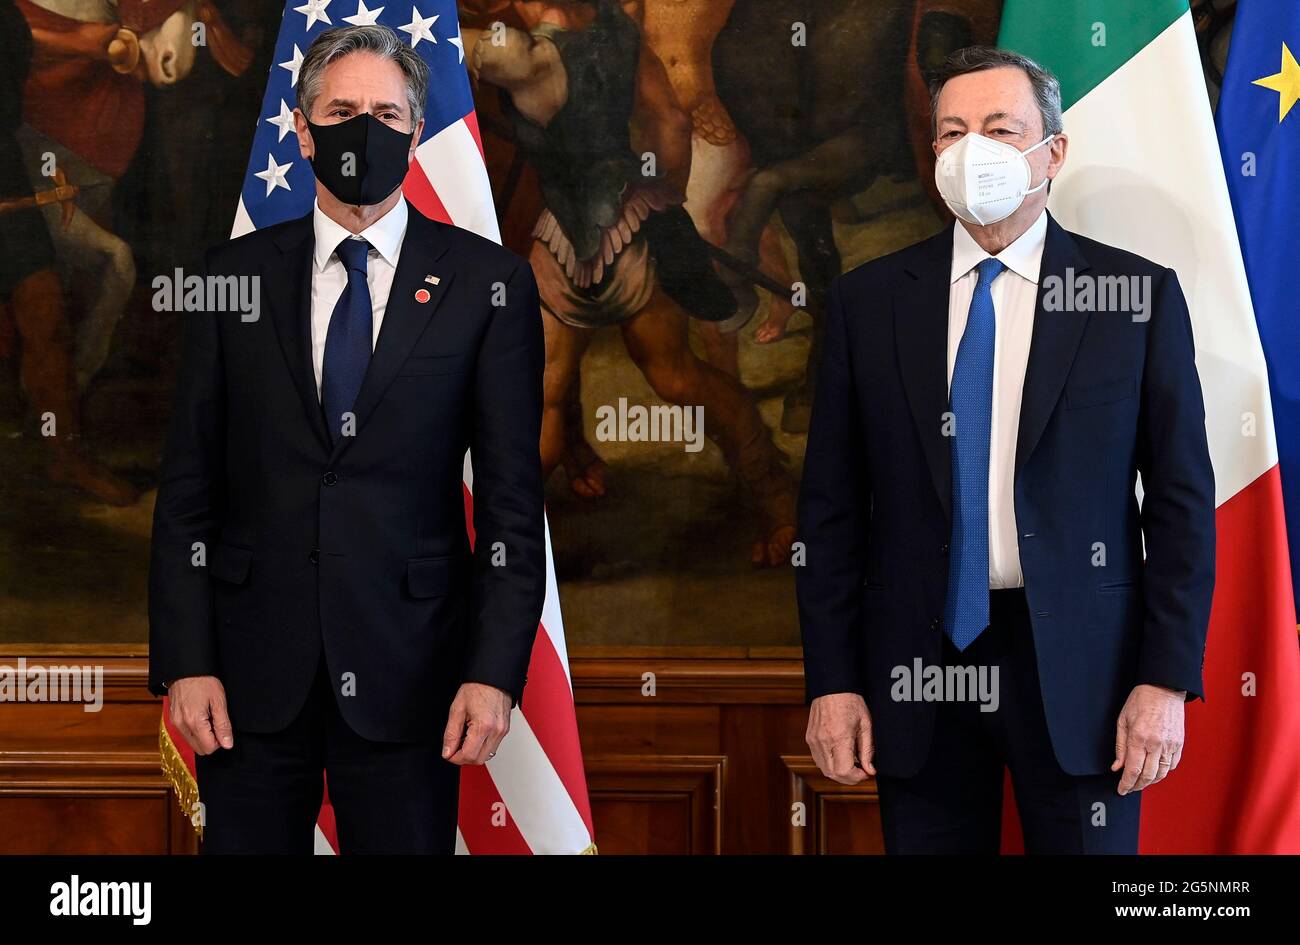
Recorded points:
(1118,587)
(438,364)
(1091,395)
(428,577)
(230,563)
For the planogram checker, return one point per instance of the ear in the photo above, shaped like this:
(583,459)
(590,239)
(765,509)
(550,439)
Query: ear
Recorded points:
(306,147)
(1057,151)
(415,140)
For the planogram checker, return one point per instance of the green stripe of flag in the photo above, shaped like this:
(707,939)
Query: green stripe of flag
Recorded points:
(1068,39)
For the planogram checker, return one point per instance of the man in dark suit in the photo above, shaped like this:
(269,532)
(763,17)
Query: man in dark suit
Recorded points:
(976,594)
(314,603)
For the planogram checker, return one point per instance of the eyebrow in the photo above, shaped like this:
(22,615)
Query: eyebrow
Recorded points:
(954,121)
(379,106)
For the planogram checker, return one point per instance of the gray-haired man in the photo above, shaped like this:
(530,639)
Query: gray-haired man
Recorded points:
(336,620)
(977,596)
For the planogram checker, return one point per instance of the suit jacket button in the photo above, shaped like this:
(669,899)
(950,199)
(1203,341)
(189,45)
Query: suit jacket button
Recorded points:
(936,623)
(330,478)
(314,555)
(943,549)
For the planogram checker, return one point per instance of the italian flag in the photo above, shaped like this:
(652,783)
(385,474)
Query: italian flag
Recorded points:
(1144,173)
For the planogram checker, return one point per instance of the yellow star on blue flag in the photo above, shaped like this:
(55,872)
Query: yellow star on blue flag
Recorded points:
(1286,82)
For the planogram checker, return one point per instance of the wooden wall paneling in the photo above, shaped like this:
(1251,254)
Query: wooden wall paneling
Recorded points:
(711,762)
(657,804)
(754,737)
(840,818)
(73,781)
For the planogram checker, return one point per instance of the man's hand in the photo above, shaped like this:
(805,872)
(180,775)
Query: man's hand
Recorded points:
(198,710)
(1148,736)
(478,720)
(839,734)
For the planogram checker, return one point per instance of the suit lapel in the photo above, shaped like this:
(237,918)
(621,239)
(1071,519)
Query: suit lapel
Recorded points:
(405,315)
(290,303)
(921,331)
(1055,341)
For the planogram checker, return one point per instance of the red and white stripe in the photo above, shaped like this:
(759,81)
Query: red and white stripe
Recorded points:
(537,773)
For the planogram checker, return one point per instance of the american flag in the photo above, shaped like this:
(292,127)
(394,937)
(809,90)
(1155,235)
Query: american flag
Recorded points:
(531,797)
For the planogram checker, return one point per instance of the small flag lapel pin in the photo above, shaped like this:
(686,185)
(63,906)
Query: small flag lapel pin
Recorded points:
(432,280)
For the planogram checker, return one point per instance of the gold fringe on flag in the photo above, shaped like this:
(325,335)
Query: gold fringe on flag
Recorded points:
(182,781)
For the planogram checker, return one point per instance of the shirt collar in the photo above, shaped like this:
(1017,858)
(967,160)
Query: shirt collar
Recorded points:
(1024,257)
(385,234)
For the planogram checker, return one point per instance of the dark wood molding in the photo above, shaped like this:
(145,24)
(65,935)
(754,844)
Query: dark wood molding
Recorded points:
(710,763)
(712,675)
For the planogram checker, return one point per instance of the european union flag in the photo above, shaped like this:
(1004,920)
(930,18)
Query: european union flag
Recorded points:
(1259,136)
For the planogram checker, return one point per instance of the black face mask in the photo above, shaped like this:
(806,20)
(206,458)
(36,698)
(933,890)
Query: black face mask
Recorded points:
(360,161)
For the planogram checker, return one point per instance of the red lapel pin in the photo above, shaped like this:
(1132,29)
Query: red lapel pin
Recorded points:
(422,296)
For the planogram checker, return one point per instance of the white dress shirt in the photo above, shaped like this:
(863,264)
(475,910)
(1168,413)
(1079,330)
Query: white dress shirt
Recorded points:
(329,277)
(1015,295)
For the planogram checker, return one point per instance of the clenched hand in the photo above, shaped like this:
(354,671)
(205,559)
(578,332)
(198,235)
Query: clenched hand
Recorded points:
(197,708)
(478,720)
(839,734)
(1148,736)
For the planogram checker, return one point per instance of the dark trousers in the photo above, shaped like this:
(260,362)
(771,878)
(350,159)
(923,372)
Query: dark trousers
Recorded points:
(263,795)
(954,804)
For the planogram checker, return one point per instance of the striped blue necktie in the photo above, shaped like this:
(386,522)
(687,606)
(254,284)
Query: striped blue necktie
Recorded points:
(966,612)
(348,342)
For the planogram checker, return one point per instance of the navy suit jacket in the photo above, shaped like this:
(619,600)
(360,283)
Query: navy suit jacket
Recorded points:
(356,549)
(1107,397)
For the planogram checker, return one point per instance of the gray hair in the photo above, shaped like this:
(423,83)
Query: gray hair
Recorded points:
(379,40)
(1047,90)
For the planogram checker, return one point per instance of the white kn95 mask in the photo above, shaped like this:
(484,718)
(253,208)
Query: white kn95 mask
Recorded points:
(985,181)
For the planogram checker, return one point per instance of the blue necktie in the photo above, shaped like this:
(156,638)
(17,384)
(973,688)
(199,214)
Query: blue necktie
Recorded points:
(348,343)
(966,612)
